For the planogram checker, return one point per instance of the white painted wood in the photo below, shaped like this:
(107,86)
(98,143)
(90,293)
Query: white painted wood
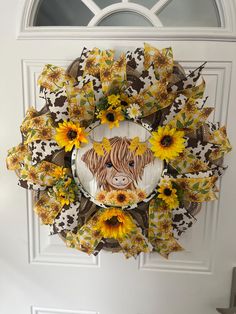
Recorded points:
(36,310)
(36,273)
(127,6)
(92,6)
(159,5)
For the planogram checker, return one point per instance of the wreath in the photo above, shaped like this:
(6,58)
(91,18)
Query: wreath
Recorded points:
(122,154)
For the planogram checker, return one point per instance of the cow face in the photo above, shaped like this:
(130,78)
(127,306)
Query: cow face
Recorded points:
(120,168)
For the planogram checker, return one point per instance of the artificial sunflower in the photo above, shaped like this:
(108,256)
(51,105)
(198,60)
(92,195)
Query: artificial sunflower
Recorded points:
(65,198)
(114,223)
(111,116)
(70,134)
(168,194)
(59,172)
(114,100)
(167,143)
(65,192)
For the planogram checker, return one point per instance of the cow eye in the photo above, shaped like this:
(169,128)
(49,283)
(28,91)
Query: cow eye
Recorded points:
(108,164)
(131,163)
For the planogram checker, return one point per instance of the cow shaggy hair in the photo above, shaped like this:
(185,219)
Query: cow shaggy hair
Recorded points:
(120,160)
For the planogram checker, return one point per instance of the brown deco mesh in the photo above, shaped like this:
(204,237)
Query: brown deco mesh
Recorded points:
(140,213)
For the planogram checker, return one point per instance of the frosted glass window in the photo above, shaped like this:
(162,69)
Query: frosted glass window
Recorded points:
(62,13)
(146,3)
(125,19)
(170,13)
(193,13)
(105,3)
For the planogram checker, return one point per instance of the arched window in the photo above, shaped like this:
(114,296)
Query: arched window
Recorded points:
(145,13)
(122,19)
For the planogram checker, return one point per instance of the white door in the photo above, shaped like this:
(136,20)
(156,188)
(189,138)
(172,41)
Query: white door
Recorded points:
(38,274)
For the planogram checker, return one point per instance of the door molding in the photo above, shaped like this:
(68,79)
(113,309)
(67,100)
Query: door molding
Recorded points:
(227,32)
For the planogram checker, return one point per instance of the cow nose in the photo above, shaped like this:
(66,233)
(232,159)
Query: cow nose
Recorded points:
(120,180)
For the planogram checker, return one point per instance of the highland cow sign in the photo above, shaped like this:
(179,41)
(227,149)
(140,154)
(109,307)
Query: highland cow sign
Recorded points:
(117,168)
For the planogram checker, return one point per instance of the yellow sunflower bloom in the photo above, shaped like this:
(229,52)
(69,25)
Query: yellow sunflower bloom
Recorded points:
(70,134)
(59,172)
(114,100)
(168,194)
(141,194)
(111,116)
(118,198)
(114,223)
(101,196)
(167,143)
(65,198)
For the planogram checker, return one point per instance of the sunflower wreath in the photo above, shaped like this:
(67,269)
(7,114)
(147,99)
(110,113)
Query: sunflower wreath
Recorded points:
(122,155)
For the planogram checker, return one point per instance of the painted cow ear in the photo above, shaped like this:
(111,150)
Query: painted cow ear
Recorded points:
(147,157)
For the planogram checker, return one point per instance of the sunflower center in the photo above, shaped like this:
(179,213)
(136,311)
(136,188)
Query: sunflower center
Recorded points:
(167,192)
(166,141)
(161,60)
(113,221)
(110,117)
(123,103)
(121,197)
(71,134)
(164,96)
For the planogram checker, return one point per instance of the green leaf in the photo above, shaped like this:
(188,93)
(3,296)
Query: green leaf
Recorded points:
(109,62)
(179,125)
(195,186)
(183,115)
(83,102)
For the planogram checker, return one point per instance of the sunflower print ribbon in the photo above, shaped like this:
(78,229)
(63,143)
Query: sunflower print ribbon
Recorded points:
(220,138)
(54,78)
(18,156)
(81,104)
(160,231)
(110,223)
(99,91)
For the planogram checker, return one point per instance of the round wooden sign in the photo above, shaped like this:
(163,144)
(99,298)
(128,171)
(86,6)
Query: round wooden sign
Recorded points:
(117,167)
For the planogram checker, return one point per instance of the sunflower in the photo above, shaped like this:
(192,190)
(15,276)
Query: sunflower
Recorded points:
(124,100)
(106,74)
(45,133)
(118,198)
(165,226)
(55,75)
(133,197)
(114,223)
(162,61)
(32,174)
(111,116)
(167,143)
(92,66)
(59,172)
(141,194)
(101,196)
(168,194)
(70,134)
(76,112)
(65,196)
(114,100)
(134,111)
(120,64)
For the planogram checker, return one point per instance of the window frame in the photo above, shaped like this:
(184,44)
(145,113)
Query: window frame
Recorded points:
(28,10)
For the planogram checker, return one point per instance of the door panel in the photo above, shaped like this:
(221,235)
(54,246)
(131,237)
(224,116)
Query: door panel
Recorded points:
(39,275)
